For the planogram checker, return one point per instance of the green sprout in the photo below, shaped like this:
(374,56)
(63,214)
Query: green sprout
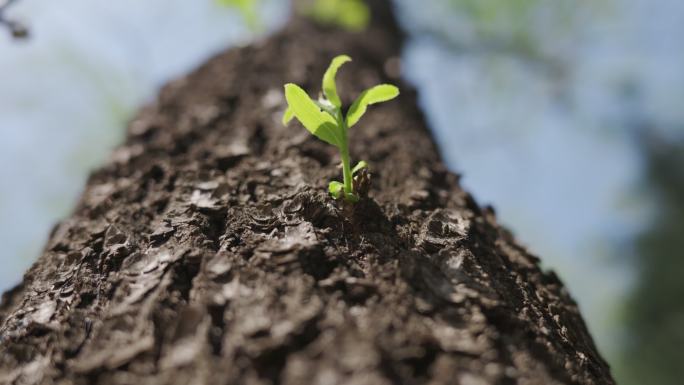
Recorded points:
(325,120)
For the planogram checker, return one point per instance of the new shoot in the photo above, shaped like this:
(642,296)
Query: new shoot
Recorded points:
(325,120)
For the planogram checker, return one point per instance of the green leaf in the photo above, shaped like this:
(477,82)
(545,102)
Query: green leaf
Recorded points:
(319,123)
(359,166)
(335,188)
(329,86)
(377,94)
(287,116)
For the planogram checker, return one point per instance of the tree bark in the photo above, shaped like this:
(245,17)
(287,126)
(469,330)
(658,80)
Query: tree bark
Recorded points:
(207,251)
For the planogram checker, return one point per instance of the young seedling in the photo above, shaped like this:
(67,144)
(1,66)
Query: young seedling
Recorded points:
(325,120)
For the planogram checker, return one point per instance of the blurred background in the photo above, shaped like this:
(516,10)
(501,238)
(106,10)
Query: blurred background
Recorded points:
(568,117)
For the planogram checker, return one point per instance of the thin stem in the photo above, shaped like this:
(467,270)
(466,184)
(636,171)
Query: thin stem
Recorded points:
(346,164)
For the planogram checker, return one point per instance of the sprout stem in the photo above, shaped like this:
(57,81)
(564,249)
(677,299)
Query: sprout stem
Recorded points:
(346,164)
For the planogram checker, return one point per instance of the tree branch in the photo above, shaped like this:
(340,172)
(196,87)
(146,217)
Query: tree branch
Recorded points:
(17,29)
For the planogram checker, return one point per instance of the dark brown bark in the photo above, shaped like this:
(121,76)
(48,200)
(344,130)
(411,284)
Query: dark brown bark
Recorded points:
(207,250)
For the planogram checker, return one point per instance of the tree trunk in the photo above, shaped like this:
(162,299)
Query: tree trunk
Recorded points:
(207,251)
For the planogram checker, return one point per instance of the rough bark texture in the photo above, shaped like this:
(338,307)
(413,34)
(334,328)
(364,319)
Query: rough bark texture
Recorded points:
(208,252)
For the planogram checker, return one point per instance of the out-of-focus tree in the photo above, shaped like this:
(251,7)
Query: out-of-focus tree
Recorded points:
(654,354)
(543,34)
(493,19)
